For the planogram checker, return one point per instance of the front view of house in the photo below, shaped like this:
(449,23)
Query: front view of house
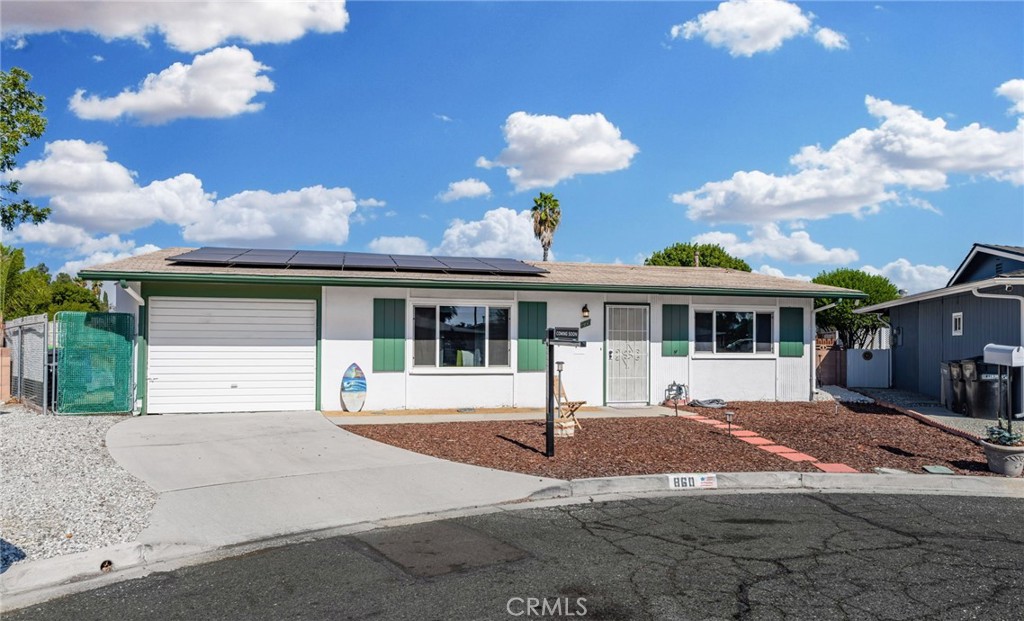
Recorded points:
(225,330)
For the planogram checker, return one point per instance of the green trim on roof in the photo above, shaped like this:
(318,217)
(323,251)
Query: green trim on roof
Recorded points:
(253,279)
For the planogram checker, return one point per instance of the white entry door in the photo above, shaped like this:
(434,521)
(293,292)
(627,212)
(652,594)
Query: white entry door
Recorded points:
(627,354)
(231,355)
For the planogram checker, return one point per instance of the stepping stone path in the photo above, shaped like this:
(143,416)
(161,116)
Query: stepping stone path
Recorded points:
(752,437)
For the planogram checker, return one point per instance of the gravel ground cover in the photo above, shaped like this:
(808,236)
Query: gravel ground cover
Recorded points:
(863,436)
(61,491)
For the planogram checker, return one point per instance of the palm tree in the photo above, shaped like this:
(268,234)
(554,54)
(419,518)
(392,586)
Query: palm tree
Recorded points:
(546,216)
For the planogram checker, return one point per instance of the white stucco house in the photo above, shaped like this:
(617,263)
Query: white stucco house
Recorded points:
(250,330)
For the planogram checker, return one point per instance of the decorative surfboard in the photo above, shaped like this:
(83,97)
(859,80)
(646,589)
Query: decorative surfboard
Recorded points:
(353,389)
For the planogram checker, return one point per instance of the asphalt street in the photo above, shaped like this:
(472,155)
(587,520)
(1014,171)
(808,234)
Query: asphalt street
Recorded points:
(749,556)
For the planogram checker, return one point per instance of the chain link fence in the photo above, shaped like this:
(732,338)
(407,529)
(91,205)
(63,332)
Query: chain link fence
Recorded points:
(28,340)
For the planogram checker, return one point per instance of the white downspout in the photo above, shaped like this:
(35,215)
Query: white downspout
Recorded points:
(1020,299)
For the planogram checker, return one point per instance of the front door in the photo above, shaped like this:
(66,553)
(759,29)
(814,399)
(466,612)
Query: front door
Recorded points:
(627,355)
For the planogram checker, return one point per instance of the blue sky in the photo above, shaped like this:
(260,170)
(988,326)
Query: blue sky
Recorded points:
(800,136)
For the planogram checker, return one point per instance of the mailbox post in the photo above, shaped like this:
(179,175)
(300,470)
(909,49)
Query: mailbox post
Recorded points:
(1010,357)
(556,336)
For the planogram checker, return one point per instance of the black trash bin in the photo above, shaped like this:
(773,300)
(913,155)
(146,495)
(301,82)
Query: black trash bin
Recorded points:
(959,394)
(969,372)
(982,388)
(945,386)
(985,398)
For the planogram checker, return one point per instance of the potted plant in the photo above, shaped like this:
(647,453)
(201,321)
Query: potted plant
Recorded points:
(1004,450)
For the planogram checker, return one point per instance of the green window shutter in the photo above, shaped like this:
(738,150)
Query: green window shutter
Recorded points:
(675,330)
(533,323)
(388,335)
(791,332)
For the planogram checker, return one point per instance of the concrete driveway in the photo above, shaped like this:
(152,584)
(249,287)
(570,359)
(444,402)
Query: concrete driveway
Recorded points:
(230,478)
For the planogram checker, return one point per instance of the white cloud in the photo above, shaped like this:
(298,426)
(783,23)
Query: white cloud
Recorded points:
(467,188)
(502,232)
(371,202)
(75,241)
(443,117)
(863,170)
(913,278)
(768,270)
(58,235)
(96,58)
(186,26)
(747,27)
(768,241)
(830,39)
(88,191)
(399,245)
(219,84)
(73,267)
(312,215)
(1014,91)
(544,150)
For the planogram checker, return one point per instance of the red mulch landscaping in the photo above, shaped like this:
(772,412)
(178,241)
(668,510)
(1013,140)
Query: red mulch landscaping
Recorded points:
(861,436)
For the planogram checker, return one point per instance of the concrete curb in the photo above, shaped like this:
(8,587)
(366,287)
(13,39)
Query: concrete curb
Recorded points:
(38,581)
(747,482)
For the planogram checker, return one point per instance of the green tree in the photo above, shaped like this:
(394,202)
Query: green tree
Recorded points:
(22,292)
(853,329)
(546,217)
(22,120)
(30,291)
(684,255)
(68,296)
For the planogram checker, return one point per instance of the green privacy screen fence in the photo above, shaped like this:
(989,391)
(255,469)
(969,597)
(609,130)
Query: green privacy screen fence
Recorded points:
(94,362)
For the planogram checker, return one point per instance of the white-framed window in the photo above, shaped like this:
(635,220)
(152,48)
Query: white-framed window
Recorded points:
(958,324)
(461,336)
(733,332)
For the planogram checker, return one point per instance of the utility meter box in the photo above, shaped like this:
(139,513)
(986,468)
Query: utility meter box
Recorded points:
(1005,355)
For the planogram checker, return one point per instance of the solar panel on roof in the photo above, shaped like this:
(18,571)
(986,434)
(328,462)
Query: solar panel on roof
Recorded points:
(360,260)
(353,261)
(411,262)
(311,258)
(513,266)
(276,258)
(207,255)
(465,264)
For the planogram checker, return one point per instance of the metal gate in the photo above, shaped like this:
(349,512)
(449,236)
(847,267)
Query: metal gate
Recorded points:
(28,339)
(95,370)
(627,366)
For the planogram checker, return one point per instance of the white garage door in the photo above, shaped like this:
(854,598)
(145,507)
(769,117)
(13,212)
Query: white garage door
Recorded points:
(231,355)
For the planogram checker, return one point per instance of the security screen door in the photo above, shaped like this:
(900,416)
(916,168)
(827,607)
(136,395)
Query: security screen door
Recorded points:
(627,345)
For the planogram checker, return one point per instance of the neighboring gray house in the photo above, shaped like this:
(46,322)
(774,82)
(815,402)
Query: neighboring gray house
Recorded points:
(982,303)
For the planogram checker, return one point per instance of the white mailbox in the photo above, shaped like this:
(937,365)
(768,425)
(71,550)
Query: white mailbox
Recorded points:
(1005,355)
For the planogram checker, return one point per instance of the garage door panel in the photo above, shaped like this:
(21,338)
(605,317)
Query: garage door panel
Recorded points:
(231,354)
(291,324)
(199,304)
(234,354)
(218,339)
(222,393)
(254,380)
